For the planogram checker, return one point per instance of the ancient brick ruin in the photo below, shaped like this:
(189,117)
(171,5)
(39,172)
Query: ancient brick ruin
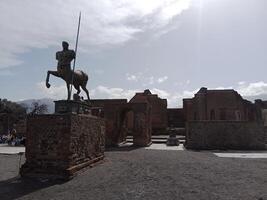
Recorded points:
(144,115)
(124,119)
(239,135)
(222,119)
(225,107)
(158,109)
(59,145)
(218,105)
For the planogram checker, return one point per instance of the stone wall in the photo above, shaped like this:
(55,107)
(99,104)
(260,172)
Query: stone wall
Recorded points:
(225,105)
(159,119)
(225,135)
(176,117)
(264,117)
(60,145)
(140,118)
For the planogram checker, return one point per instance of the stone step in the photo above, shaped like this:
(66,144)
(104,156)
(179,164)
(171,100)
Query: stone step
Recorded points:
(158,141)
(160,137)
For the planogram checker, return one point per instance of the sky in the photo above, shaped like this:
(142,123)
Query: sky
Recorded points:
(172,47)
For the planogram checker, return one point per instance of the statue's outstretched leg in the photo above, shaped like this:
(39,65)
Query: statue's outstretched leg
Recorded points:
(55,73)
(47,79)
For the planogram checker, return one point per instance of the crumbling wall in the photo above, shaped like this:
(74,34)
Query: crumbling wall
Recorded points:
(225,135)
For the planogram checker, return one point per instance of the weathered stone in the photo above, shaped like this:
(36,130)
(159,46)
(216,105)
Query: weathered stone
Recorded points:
(172,140)
(159,120)
(176,117)
(74,107)
(241,135)
(60,145)
(218,105)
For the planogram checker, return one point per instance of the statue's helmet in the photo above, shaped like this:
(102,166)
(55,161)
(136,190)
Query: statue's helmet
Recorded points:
(65,45)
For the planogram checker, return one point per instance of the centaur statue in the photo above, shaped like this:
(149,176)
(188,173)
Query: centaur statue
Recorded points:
(77,78)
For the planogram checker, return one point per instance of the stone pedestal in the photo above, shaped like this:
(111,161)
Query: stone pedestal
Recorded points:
(70,106)
(172,139)
(59,145)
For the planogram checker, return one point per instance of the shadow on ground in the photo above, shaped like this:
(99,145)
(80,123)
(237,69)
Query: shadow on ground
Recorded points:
(17,187)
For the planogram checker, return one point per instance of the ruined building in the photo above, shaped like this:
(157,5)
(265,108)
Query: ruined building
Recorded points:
(158,109)
(219,105)
(222,119)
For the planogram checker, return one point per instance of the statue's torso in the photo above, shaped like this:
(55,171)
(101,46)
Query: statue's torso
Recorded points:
(64,59)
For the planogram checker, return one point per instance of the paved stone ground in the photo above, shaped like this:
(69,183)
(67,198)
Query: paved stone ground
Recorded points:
(6,149)
(129,173)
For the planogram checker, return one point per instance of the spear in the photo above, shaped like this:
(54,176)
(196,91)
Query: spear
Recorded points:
(76,46)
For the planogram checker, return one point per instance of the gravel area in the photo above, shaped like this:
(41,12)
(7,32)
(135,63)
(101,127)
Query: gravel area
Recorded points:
(146,174)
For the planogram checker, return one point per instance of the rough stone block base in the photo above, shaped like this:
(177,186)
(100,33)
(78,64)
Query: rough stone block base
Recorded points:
(60,145)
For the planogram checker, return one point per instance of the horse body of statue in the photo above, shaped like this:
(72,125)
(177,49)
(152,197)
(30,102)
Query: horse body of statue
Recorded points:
(77,78)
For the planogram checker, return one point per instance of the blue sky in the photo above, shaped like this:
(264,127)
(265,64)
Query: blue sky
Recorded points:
(172,47)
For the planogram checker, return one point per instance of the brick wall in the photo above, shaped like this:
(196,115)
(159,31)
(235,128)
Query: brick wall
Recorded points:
(218,105)
(225,135)
(176,117)
(158,110)
(140,119)
(62,144)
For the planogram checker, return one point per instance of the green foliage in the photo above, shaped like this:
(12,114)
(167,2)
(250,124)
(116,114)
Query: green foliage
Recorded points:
(12,108)
(10,113)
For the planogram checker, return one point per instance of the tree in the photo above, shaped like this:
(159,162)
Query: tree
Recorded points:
(37,108)
(10,113)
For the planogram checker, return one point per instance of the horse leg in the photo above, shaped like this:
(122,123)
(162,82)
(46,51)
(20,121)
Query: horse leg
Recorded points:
(86,91)
(77,87)
(68,88)
(55,73)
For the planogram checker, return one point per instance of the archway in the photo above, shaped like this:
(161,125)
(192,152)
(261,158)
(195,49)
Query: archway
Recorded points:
(128,119)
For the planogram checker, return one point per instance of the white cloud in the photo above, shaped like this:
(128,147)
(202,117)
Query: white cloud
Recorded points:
(112,93)
(32,24)
(132,77)
(60,92)
(252,89)
(54,92)
(161,93)
(151,80)
(241,82)
(147,80)
(103,92)
(162,79)
(247,90)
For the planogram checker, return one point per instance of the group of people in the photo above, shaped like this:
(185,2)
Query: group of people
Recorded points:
(12,139)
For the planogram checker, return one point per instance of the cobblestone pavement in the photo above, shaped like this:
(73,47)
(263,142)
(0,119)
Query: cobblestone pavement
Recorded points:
(129,173)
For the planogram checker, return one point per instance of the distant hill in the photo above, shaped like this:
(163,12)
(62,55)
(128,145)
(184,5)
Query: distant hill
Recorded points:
(46,101)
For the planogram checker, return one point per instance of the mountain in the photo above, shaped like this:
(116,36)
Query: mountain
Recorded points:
(49,102)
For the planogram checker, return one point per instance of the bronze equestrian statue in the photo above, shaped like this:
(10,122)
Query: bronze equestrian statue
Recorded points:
(77,78)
